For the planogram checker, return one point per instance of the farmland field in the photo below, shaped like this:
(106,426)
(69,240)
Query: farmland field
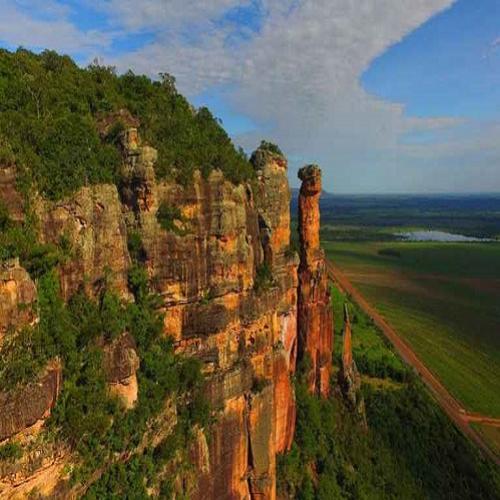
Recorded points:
(444,300)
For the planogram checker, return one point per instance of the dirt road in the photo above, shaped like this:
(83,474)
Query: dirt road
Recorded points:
(447,402)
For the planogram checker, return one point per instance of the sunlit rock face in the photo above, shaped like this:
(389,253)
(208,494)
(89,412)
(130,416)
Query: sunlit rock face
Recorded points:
(315,321)
(17,297)
(26,407)
(121,363)
(92,225)
(204,267)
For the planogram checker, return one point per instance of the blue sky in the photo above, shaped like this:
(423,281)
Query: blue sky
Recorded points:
(448,66)
(386,95)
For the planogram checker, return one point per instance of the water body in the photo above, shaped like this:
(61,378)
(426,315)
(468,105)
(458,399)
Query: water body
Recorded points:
(430,235)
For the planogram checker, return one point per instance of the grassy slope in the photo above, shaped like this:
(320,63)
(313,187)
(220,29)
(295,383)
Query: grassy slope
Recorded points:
(444,300)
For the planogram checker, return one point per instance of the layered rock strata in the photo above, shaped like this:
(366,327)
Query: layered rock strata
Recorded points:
(204,267)
(315,321)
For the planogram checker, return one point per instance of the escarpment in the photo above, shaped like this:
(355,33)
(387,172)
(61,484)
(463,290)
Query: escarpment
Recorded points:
(232,295)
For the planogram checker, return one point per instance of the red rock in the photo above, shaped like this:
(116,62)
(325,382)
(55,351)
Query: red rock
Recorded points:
(284,404)
(315,318)
(17,297)
(204,270)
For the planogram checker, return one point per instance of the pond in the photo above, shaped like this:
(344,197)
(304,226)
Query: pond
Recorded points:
(430,235)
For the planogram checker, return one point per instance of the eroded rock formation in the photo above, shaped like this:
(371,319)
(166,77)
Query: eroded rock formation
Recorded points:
(121,363)
(348,376)
(17,297)
(93,229)
(315,321)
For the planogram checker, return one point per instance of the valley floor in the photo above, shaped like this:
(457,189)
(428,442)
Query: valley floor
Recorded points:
(446,322)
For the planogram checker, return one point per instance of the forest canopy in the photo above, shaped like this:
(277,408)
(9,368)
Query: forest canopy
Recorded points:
(49,114)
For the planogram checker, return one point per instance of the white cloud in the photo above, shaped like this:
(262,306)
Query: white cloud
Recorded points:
(161,14)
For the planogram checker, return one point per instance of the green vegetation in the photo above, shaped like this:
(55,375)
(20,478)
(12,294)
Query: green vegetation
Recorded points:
(263,278)
(135,246)
(50,116)
(372,352)
(21,241)
(389,252)
(271,147)
(410,449)
(167,215)
(442,298)
(10,452)
(490,434)
(259,384)
(378,217)
(333,232)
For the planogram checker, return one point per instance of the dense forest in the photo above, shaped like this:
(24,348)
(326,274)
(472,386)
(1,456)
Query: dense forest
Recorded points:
(50,116)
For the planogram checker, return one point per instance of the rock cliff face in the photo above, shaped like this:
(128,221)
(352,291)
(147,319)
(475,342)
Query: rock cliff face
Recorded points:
(204,268)
(218,254)
(92,224)
(121,363)
(315,321)
(17,297)
(31,404)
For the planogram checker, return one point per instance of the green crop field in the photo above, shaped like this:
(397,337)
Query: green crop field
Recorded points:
(444,300)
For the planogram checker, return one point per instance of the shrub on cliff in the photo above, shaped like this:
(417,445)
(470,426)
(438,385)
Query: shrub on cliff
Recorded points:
(271,147)
(264,279)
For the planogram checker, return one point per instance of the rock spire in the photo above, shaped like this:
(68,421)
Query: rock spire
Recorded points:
(315,318)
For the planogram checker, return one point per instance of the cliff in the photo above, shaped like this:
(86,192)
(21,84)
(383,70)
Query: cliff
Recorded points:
(220,261)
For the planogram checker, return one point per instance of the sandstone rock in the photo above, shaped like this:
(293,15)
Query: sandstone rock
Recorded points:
(284,404)
(228,456)
(17,297)
(29,405)
(262,453)
(92,222)
(121,364)
(272,198)
(315,319)
(348,376)
(9,194)
(204,268)
(39,474)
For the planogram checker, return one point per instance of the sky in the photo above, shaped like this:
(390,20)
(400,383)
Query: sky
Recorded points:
(387,96)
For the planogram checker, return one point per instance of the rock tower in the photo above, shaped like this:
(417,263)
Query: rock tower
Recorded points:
(315,319)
